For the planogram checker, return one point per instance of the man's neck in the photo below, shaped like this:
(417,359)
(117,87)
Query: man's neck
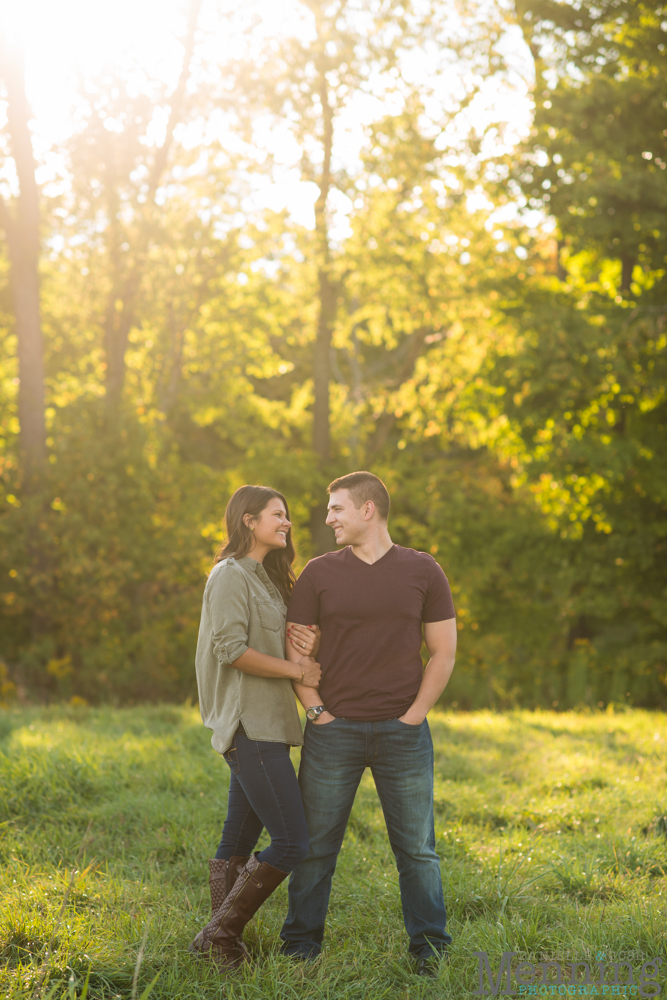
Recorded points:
(373,548)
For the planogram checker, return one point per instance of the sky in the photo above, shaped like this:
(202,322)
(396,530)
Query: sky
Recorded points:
(68,39)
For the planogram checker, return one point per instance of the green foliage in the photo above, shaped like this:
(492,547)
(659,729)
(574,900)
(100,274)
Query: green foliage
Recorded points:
(550,831)
(507,379)
(584,382)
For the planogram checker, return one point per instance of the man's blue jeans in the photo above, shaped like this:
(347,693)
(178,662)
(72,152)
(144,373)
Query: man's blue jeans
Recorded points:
(333,760)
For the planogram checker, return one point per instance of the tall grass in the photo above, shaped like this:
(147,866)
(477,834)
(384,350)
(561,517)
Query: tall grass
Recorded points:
(552,829)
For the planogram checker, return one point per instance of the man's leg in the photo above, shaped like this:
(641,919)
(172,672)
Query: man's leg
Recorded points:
(332,763)
(402,769)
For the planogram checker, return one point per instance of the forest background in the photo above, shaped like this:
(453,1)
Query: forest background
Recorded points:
(472,309)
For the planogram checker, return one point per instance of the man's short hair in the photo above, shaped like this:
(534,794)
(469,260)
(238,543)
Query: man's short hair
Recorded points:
(364,486)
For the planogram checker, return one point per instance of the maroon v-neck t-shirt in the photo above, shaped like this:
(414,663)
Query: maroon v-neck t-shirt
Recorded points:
(371,620)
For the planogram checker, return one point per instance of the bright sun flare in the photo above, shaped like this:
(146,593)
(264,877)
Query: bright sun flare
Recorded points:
(69,40)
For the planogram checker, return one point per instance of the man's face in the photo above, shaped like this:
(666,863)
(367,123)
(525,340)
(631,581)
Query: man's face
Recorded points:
(348,522)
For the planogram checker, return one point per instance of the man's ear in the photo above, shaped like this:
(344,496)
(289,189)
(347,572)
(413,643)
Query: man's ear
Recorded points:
(369,510)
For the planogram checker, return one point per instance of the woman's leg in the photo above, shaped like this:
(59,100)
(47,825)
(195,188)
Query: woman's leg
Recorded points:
(271,795)
(239,837)
(242,824)
(268,782)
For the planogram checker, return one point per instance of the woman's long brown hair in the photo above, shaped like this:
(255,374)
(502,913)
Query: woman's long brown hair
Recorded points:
(278,563)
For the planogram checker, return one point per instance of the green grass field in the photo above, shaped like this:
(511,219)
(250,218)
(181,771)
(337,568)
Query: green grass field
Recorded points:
(552,830)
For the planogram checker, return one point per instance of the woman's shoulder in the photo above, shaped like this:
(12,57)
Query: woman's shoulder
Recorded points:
(226,573)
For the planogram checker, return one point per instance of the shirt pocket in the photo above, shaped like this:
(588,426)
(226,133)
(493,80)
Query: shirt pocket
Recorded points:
(270,617)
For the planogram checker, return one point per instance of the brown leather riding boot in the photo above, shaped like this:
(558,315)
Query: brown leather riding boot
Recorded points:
(222,876)
(222,936)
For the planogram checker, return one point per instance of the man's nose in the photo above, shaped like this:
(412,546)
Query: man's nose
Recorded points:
(330,517)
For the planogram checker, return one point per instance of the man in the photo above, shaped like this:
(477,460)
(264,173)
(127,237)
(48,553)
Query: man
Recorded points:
(370,601)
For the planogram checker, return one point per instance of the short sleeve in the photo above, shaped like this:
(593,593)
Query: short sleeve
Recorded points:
(229,610)
(304,605)
(439,605)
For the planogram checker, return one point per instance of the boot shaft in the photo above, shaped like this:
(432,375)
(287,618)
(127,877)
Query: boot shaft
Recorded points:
(222,876)
(256,882)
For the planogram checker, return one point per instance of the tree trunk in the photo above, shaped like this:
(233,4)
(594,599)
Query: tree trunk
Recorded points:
(22,231)
(385,424)
(322,536)
(121,312)
(327,292)
(627,267)
(561,271)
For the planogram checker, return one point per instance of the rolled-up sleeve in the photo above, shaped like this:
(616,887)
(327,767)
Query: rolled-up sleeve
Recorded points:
(228,606)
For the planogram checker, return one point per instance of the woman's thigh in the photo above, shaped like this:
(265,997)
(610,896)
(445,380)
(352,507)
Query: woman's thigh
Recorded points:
(266,774)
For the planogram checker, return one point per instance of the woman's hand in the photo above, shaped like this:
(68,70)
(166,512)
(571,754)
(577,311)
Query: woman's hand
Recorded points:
(305,638)
(311,672)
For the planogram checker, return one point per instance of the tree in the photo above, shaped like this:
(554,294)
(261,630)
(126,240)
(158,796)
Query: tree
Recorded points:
(585,383)
(352,51)
(599,156)
(119,175)
(21,223)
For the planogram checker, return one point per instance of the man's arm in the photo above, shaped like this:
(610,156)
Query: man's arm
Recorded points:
(308,696)
(440,638)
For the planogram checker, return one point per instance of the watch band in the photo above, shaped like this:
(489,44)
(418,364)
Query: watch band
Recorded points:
(313,713)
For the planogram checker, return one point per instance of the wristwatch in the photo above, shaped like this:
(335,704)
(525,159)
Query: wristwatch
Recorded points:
(314,712)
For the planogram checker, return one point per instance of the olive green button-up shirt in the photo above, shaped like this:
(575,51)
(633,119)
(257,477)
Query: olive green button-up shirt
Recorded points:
(242,609)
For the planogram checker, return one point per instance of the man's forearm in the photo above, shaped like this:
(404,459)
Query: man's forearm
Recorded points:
(436,677)
(307,696)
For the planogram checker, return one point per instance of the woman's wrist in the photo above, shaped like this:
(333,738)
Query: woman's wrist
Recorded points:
(297,673)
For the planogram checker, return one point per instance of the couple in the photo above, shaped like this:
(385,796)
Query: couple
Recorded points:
(361,612)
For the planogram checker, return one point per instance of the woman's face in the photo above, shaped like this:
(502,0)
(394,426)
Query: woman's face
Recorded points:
(271,527)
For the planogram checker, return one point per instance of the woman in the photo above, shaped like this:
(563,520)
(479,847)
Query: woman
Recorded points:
(246,698)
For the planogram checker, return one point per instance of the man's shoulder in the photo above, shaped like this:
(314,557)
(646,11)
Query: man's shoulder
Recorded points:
(325,562)
(415,556)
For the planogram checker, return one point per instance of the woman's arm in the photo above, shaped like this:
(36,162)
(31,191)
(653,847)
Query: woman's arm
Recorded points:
(302,669)
(307,694)
(229,607)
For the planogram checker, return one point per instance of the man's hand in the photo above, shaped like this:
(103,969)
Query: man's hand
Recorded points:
(324,718)
(412,717)
(312,672)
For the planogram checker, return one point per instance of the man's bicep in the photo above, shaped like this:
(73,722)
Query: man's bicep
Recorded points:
(440,637)
(304,605)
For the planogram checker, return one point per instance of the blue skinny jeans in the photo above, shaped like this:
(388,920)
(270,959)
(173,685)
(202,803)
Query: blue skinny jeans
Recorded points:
(263,792)
(333,759)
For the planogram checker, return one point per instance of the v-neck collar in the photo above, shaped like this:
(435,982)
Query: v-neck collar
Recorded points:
(377,561)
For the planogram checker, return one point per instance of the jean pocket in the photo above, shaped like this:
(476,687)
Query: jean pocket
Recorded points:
(232,760)
(323,725)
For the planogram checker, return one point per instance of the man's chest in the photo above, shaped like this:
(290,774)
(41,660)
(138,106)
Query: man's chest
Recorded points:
(372,597)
